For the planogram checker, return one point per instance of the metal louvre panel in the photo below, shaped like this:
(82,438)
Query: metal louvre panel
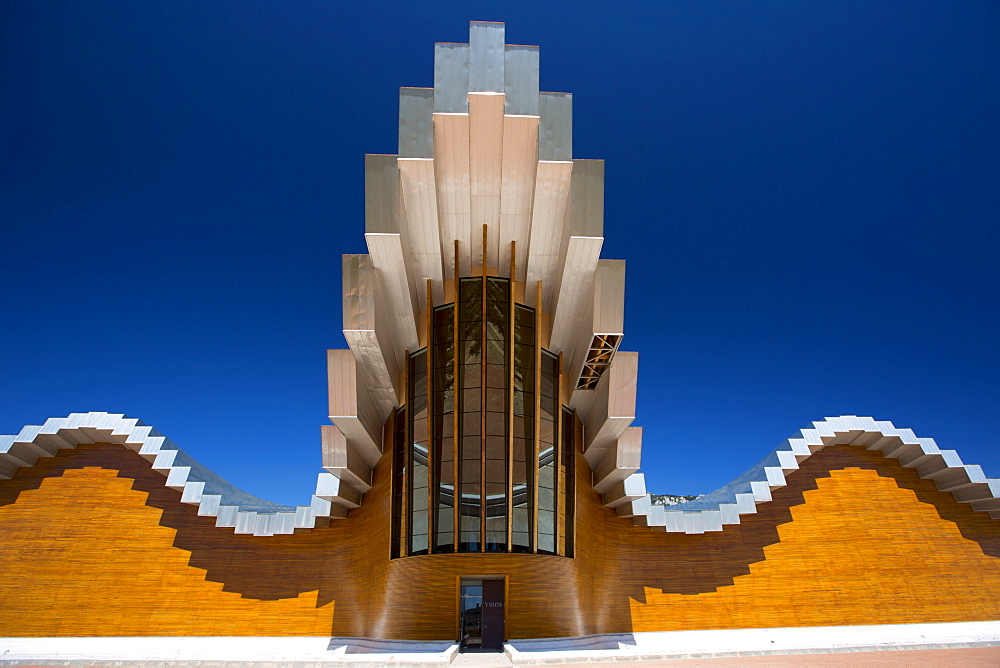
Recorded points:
(486,57)
(386,251)
(342,459)
(521,79)
(582,247)
(609,297)
(331,488)
(517,189)
(451,78)
(577,353)
(549,211)
(486,124)
(367,331)
(587,199)
(421,226)
(387,246)
(612,409)
(606,314)
(382,196)
(641,509)
(624,373)
(451,172)
(578,262)
(357,303)
(631,488)
(383,338)
(416,122)
(368,353)
(370,416)
(621,460)
(351,406)
(341,373)
(555,133)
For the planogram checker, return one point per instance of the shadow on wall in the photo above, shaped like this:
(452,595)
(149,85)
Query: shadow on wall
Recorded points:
(261,568)
(616,561)
(620,562)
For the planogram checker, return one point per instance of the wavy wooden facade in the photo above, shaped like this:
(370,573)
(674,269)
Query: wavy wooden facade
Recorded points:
(92,543)
(485,185)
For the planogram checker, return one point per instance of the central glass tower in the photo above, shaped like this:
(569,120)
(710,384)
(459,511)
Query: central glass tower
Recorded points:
(483,452)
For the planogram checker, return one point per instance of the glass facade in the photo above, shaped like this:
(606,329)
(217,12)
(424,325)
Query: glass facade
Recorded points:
(443,421)
(418,460)
(483,459)
(524,429)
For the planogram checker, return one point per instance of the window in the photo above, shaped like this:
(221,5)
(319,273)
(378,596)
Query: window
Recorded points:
(478,464)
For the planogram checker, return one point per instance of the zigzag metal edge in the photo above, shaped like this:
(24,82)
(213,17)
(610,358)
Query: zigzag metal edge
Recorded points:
(232,507)
(967,483)
(247,514)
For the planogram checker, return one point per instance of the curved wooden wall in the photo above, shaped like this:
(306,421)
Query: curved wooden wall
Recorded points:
(92,543)
(854,538)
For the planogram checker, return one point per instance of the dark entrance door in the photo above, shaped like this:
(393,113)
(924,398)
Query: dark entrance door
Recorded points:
(483,615)
(493,615)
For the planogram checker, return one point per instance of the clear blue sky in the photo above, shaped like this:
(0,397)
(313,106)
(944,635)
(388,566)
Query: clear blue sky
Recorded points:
(806,193)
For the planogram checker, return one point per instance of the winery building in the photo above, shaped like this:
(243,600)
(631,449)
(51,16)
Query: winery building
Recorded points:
(481,476)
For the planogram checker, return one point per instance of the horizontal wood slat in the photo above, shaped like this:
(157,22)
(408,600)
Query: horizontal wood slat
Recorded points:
(854,538)
(92,543)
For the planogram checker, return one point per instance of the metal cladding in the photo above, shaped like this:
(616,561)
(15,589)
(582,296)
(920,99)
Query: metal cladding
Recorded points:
(610,409)
(342,459)
(484,152)
(214,497)
(620,462)
(725,505)
(484,177)
(352,408)
(248,514)
(368,331)
(485,147)
(631,488)
(602,327)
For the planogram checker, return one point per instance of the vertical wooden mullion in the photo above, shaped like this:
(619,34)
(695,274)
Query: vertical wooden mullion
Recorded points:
(455,445)
(510,398)
(538,414)
(431,519)
(560,523)
(482,412)
(577,441)
(404,530)
(393,428)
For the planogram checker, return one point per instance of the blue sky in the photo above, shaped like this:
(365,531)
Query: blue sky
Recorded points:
(806,194)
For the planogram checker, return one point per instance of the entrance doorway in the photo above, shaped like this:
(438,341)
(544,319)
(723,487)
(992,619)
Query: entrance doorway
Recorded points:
(482,613)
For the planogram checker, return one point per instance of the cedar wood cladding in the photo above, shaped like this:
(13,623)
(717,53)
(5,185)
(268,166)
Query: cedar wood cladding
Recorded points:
(91,543)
